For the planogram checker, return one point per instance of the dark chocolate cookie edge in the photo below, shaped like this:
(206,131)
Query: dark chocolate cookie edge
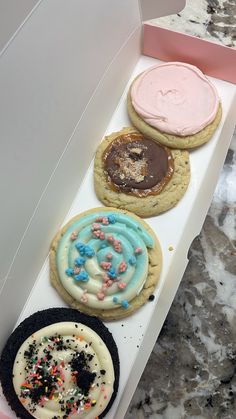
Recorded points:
(37,321)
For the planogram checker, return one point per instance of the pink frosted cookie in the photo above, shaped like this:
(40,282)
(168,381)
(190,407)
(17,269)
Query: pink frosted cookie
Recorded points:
(175,104)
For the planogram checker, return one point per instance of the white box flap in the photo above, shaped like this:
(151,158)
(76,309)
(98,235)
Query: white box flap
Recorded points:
(12,14)
(61,78)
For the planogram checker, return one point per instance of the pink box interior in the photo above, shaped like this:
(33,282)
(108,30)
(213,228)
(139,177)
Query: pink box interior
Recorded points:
(213,59)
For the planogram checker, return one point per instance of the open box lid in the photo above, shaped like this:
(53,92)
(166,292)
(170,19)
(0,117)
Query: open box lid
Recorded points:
(65,173)
(61,77)
(13,14)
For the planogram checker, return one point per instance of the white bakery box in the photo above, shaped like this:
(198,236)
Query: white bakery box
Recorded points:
(64,77)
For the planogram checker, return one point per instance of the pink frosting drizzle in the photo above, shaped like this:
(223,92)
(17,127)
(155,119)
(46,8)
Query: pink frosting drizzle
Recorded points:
(175,98)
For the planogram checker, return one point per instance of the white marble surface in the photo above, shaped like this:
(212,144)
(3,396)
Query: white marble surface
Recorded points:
(191,373)
(214,20)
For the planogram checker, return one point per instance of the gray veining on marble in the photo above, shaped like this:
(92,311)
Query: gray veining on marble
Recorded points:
(214,20)
(192,370)
(191,373)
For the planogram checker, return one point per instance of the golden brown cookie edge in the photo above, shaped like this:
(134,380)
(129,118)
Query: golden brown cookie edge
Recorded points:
(173,141)
(154,270)
(148,206)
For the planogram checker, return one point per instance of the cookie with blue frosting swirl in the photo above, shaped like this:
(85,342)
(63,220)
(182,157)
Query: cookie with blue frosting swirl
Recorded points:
(105,262)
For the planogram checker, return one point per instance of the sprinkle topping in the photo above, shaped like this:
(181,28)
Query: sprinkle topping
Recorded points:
(72,368)
(109,258)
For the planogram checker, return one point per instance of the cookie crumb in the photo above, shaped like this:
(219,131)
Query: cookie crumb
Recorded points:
(170,248)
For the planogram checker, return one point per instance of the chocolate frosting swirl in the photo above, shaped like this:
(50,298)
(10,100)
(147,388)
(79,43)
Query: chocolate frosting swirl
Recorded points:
(137,165)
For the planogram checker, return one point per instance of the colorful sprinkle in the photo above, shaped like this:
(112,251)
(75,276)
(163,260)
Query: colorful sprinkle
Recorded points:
(89,252)
(84,297)
(80,247)
(132,260)
(46,339)
(122,285)
(115,300)
(69,271)
(83,276)
(105,221)
(122,267)
(138,251)
(96,234)
(112,218)
(95,226)
(80,261)
(105,265)
(117,246)
(109,256)
(125,304)
(73,236)
(110,238)
(102,235)
(105,277)
(112,273)
(109,283)
(100,296)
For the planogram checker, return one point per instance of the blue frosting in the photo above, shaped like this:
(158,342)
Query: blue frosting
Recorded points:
(130,232)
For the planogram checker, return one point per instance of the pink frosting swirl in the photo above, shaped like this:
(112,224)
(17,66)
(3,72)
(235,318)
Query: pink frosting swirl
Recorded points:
(175,98)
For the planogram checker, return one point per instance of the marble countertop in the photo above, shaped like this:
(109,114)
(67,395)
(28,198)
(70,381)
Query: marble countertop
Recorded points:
(214,20)
(191,373)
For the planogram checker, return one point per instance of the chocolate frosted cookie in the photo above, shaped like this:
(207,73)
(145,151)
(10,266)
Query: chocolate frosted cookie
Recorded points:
(105,262)
(136,173)
(175,104)
(60,364)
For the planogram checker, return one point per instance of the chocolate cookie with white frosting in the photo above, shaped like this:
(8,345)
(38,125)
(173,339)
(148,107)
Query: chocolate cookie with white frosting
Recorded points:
(59,364)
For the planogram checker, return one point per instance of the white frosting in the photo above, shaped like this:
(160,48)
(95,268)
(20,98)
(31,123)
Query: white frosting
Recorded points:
(81,338)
